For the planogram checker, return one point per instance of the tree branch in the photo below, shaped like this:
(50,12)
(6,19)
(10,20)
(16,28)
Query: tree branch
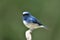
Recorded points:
(28,34)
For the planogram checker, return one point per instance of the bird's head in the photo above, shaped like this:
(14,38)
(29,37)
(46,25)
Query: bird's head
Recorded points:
(26,13)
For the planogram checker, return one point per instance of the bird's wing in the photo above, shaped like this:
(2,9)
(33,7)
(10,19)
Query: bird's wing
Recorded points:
(34,20)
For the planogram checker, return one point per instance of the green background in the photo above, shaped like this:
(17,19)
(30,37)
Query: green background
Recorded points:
(47,11)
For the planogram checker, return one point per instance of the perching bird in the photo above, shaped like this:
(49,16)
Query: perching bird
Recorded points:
(31,22)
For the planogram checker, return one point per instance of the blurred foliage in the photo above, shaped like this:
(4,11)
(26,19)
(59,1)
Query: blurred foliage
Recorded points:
(47,11)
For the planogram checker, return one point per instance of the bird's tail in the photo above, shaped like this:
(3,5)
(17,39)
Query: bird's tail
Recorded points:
(45,27)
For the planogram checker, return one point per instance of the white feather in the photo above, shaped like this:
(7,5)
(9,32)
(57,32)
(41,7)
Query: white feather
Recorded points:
(25,12)
(32,25)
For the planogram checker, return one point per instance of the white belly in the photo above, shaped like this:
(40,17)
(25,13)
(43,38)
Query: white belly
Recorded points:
(31,25)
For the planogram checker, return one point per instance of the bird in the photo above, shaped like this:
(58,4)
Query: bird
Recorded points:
(31,22)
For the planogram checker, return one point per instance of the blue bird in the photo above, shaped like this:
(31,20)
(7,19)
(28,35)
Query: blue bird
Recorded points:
(31,22)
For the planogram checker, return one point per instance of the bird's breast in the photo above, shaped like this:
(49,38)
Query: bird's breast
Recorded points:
(31,25)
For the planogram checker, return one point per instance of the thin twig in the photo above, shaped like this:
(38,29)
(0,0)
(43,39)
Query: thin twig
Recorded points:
(28,34)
